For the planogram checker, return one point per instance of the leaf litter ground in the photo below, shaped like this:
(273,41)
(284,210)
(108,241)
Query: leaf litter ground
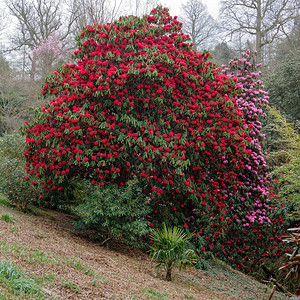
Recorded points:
(70,266)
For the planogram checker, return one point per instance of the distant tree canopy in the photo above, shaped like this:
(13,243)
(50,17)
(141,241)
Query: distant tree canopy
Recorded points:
(284,86)
(223,54)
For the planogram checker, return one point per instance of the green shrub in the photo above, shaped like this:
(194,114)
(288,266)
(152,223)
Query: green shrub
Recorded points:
(61,200)
(169,248)
(202,264)
(13,183)
(284,87)
(286,159)
(114,212)
(12,145)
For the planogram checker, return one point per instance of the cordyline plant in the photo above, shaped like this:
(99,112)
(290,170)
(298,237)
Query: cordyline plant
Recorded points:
(139,103)
(170,248)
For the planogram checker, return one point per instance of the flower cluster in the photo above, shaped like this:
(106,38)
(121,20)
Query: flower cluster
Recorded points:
(47,54)
(51,44)
(250,101)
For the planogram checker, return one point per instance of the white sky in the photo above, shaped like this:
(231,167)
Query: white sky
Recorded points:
(175,5)
(213,7)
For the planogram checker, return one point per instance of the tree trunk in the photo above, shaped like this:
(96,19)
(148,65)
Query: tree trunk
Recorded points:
(259,37)
(33,69)
(169,272)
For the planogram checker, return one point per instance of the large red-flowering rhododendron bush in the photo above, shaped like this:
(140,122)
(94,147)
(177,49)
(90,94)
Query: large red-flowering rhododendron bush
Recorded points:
(140,104)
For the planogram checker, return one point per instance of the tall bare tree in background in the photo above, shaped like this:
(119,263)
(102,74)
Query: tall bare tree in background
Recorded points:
(141,7)
(37,21)
(3,26)
(293,39)
(199,24)
(3,21)
(265,20)
(12,98)
(40,29)
(104,11)
(89,12)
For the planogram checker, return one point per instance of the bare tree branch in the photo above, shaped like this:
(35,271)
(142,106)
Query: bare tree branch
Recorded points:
(266,19)
(37,21)
(198,23)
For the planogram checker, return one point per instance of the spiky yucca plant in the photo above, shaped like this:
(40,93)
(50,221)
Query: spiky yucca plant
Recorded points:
(170,248)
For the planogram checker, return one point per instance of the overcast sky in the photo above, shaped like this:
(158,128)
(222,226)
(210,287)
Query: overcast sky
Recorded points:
(175,5)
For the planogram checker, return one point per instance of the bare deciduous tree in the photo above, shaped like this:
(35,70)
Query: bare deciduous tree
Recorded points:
(141,7)
(90,12)
(3,21)
(37,20)
(12,98)
(266,20)
(293,39)
(199,24)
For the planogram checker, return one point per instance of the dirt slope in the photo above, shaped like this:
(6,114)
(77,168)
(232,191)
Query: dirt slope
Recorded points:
(68,266)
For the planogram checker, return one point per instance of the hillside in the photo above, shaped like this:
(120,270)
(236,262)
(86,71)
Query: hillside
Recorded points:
(63,265)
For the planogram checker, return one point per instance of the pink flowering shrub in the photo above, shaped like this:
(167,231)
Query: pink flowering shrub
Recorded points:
(47,55)
(250,101)
(256,229)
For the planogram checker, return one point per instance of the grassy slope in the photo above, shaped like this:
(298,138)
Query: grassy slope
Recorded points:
(62,265)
